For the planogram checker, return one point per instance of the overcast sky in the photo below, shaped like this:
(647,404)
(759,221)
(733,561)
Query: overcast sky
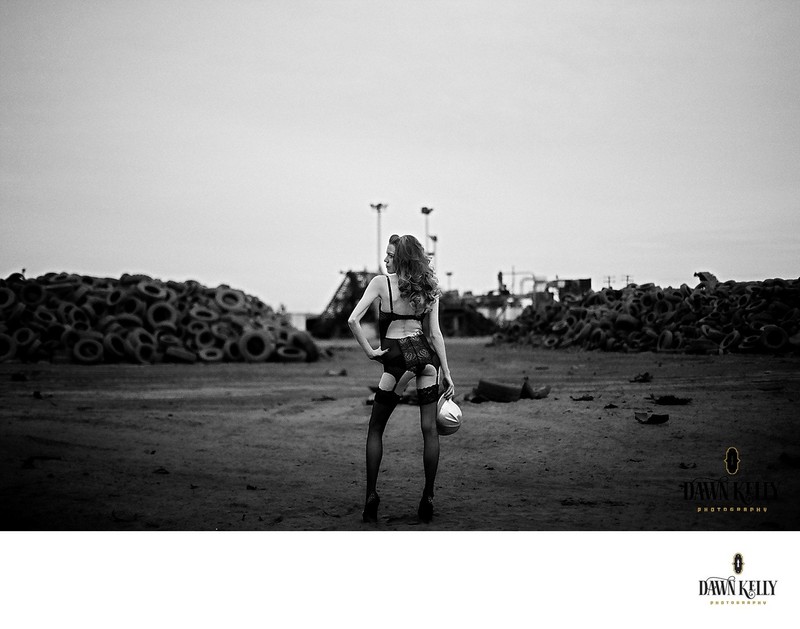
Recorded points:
(243,142)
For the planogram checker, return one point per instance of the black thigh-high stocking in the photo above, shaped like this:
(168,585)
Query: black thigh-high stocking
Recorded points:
(430,445)
(430,437)
(382,407)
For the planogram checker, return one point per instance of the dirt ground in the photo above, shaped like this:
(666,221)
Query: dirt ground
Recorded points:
(281,446)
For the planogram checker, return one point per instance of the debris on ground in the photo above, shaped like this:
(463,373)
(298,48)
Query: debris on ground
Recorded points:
(530,393)
(582,398)
(644,417)
(323,398)
(667,400)
(494,391)
(642,377)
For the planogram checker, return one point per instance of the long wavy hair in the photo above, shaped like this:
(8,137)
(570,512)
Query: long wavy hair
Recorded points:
(415,277)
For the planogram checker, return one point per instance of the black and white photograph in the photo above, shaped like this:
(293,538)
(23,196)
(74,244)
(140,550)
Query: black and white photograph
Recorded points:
(473,300)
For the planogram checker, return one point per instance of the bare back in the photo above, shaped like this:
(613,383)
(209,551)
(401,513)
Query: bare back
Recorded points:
(399,328)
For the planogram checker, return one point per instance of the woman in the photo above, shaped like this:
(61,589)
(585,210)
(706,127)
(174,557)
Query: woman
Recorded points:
(412,345)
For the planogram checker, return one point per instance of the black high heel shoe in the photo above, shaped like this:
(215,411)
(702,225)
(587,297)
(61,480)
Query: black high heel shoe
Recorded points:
(425,510)
(370,513)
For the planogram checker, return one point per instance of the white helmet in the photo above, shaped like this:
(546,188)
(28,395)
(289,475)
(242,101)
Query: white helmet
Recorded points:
(448,416)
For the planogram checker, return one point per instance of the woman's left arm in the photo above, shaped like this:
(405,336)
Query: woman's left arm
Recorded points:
(434,333)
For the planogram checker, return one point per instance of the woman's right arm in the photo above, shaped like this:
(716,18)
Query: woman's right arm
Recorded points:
(434,332)
(354,320)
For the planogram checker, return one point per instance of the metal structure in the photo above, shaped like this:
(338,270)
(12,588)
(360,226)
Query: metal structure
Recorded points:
(332,323)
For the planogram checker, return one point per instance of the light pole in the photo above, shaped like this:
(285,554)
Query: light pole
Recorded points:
(426,211)
(435,239)
(449,275)
(379,207)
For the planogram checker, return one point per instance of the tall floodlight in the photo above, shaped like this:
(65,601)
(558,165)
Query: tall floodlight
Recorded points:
(449,276)
(434,240)
(426,211)
(379,207)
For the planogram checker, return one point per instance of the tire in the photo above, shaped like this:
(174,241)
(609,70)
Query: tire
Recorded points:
(598,337)
(7,298)
(211,355)
(230,300)
(201,313)
(8,348)
(304,341)
(196,326)
(584,333)
(114,346)
(162,314)
(88,351)
(559,327)
(730,342)
(115,297)
(132,306)
(168,340)
(91,334)
(69,338)
(129,321)
(665,341)
(288,354)
(499,391)
(95,308)
(552,341)
(774,338)
(750,343)
(627,322)
(256,346)
(150,290)
(232,351)
(205,340)
(142,353)
(32,352)
(222,331)
(140,336)
(16,311)
(24,337)
(32,293)
(180,355)
(712,333)
(702,346)
(282,334)
(54,332)
(663,307)
(130,280)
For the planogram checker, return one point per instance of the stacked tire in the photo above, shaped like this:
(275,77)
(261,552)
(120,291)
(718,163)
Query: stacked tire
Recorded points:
(712,317)
(62,317)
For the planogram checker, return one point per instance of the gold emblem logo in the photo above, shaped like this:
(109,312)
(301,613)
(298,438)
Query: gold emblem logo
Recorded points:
(732,460)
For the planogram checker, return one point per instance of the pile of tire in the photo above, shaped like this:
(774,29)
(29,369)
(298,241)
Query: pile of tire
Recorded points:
(60,317)
(713,317)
